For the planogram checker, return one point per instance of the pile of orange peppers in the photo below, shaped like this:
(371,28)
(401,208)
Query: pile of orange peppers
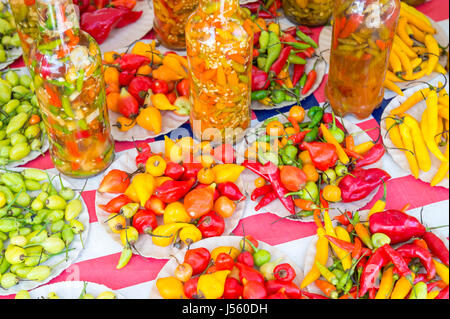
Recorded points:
(143,83)
(178,197)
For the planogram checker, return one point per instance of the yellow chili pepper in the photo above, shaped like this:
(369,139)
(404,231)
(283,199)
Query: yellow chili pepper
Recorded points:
(141,48)
(170,288)
(380,204)
(402,287)
(124,123)
(328,275)
(364,147)
(416,62)
(232,251)
(402,32)
(413,11)
(165,234)
(321,257)
(386,283)
(409,151)
(274,27)
(415,98)
(167,74)
(398,42)
(433,51)
(395,62)
(156,166)
(110,56)
(341,253)
(175,213)
(404,59)
(172,62)
(227,172)
(417,34)
(161,102)
(181,59)
(144,184)
(440,69)
(172,150)
(420,148)
(131,193)
(392,77)
(421,24)
(433,294)
(442,170)
(161,179)
(144,70)
(342,234)
(211,286)
(364,234)
(150,118)
(330,139)
(443,111)
(393,87)
(394,133)
(190,234)
(441,270)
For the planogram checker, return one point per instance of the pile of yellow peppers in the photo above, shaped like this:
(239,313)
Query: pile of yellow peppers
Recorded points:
(418,139)
(415,52)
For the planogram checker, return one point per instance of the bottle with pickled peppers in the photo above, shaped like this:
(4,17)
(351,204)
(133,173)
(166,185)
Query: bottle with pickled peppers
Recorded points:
(70,90)
(25,16)
(363,32)
(219,45)
(311,13)
(170,21)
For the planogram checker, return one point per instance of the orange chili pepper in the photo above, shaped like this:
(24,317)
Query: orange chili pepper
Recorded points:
(328,289)
(34,119)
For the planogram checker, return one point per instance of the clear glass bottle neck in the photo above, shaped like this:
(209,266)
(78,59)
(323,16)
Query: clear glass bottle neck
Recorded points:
(56,17)
(218,6)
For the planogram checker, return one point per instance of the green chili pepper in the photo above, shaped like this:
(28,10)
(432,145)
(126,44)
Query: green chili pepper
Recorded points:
(306,39)
(50,46)
(295,59)
(291,151)
(67,107)
(273,50)
(298,45)
(82,124)
(278,96)
(125,257)
(302,80)
(259,95)
(260,256)
(80,80)
(315,114)
(263,41)
(312,135)
(261,62)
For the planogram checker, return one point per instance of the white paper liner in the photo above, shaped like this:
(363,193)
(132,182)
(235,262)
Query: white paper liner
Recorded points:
(45,142)
(71,290)
(440,36)
(122,37)
(210,244)
(145,246)
(416,111)
(311,253)
(56,262)
(277,208)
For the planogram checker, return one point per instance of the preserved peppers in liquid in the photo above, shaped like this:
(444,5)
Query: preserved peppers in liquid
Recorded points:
(25,16)
(170,21)
(69,85)
(311,13)
(219,44)
(363,32)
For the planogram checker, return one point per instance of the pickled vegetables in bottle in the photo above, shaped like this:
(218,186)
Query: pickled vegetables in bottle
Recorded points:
(311,13)
(363,32)
(67,68)
(219,43)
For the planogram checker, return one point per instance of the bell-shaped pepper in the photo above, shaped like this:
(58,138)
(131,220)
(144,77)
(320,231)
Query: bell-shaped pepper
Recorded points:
(212,286)
(198,258)
(144,184)
(231,191)
(227,172)
(163,235)
(144,221)
(191,170)
(233,289)
(211,225)
(232,251)
(291,290)
(199,201)
(171,191)
(190,287)
(249,273)
(138,88)
(115,181)
(260,79)
(127,104)
(174,170)
(99,23)
(170,288)
(115,204)
(361,183)
(323,155)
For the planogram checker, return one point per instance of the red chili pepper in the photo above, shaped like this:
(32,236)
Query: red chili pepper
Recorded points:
(224,153)
(284,272)
(398,261)
(256,168)
(130,61)
(273,173)
(99,23)
(306,30)
(254,290)
(323,155)
(138,87)
(249,273)
(339,24)
(310,79)
(224,262)
(360,183)
(52,96)
(291,290)
(115,181)
(278,65)
(344,219)
(233,289)
(260,79)
(398,226)
(418,278)
(174,170)
(191,170)
(126,76)
(246,258)
(437,247)
(372,156)
(299,69)
(183,87)
(443,294)
(129,17)
(211,225)
(127,104)
(414,251)
(261,191)
(198,258)
(171,191)
(231,191)
(347,246)
(144,221)
(297,138)
(115,204)
(431,285)
(291,31)
(352,25)
(160,86)
(190,287)
(252,6)
(371,271)
(141,158)
(353,154)
(311,295)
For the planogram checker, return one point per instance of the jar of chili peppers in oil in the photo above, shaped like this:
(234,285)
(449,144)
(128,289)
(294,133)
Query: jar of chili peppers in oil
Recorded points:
(25,16)
(69,86)
(308,12)
(219,44)
(363,32)
(170,21)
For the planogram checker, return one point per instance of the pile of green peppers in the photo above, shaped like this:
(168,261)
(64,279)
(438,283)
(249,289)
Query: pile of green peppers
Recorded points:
(9,38)
(37,222)
(19,133)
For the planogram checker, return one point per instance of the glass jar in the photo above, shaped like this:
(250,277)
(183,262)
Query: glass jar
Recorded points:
(70,89)
(363,32)
(170,21)
(25,16)
(311,13)
(219,43)
(414,3)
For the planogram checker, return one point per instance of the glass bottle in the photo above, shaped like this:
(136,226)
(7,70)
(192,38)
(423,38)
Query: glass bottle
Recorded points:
(68,78)
(311,13)
(25,16)
(219,44)
(170,21)
(363,32)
